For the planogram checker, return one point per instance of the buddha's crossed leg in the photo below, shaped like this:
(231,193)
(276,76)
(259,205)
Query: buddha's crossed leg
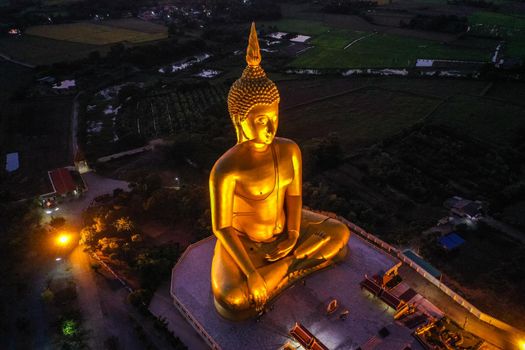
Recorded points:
(322,241)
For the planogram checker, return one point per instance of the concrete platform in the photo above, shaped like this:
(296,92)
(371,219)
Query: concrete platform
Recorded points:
(305,303)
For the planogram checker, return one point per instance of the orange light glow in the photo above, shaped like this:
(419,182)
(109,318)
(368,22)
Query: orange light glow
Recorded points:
(63,239)
(522,345)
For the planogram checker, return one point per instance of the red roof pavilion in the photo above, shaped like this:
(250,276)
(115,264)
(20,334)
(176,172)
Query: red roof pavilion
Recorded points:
(62,181)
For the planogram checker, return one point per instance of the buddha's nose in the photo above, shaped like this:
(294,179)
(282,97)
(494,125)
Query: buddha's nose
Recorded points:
(271,128)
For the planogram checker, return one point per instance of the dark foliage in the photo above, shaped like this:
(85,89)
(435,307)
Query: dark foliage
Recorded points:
(441,23)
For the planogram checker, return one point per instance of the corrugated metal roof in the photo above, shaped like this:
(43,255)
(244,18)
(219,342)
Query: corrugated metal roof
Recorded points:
(62,181)
(12,162)
(423,263)
(451,241)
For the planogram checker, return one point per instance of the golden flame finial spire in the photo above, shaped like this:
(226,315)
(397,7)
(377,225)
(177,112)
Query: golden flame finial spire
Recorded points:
(253,53)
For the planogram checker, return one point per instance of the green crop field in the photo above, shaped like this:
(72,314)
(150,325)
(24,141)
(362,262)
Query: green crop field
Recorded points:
(356,116)
(296,26)
(491,121)
(509,27)
(382,50)
(40,51)
(498,19)
(335,39)
(94,34)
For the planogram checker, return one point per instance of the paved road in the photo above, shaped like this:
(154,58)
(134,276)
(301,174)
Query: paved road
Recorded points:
(103,301)
(73,147)
(97,185)
(89,299)
(102,298)
(456,312)
(7,58)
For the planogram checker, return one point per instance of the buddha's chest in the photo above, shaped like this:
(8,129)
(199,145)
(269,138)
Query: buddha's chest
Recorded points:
(259,181)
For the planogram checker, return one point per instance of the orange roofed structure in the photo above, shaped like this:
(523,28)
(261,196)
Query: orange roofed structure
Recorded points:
(62,181)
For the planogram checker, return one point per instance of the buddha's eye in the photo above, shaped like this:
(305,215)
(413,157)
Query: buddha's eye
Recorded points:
(263,120)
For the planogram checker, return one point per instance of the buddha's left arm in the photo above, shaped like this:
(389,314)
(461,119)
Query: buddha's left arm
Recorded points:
(293,198)
(293,203)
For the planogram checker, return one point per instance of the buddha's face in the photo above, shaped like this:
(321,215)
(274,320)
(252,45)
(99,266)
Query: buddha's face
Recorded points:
(261,123)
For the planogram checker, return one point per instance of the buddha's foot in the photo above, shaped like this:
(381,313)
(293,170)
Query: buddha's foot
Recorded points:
(304,267)
(341,256)
(236,315)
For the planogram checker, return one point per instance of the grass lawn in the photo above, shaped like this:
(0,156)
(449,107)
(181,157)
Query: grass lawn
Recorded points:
(382,50)
(94,34)
(485,119)
(357,117)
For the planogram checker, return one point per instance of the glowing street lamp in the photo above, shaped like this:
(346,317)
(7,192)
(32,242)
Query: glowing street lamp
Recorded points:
(63,239)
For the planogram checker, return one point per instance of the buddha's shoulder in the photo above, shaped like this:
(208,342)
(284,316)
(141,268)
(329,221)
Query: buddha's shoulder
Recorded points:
(286,144)
(228,161)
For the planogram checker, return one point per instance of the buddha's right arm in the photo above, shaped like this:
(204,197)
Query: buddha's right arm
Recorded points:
(233,245)
(222,186)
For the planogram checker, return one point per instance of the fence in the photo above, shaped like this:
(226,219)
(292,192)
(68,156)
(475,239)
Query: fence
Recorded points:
(185,313)
(445,289)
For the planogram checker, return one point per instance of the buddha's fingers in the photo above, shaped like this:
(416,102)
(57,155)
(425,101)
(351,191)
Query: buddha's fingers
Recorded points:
(311,245)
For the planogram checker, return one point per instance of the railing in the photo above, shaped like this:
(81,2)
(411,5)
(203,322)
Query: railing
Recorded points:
(444,288)
(185,313)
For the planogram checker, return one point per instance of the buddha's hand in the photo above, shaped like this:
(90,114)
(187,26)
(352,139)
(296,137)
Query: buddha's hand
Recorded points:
(284,247)
(258,291)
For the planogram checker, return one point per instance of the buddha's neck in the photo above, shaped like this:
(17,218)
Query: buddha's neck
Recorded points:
(259,147)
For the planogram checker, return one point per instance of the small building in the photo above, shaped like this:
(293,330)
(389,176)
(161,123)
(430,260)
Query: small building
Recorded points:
(14,31)
(11,162)
(80,162)
(464,208)
(451,241)
(65,182)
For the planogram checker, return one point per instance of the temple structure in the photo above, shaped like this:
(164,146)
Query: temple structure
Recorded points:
(264,241)
(238,287)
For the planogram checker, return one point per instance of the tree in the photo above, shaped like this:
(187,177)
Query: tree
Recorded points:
(123,224)
(329,153)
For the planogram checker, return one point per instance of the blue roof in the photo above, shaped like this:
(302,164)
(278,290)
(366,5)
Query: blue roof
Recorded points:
(451,241)
(11,163)
(423,263)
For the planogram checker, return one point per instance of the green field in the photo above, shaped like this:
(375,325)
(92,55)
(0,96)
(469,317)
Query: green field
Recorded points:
(498,19)
(381,50)
(509,27)
(491,121)
(150,117)
(356,116)
(296,26)
(95,34)
(40,51)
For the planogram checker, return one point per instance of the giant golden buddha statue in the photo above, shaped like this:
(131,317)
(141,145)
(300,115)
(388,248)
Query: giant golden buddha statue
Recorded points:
(265,240)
